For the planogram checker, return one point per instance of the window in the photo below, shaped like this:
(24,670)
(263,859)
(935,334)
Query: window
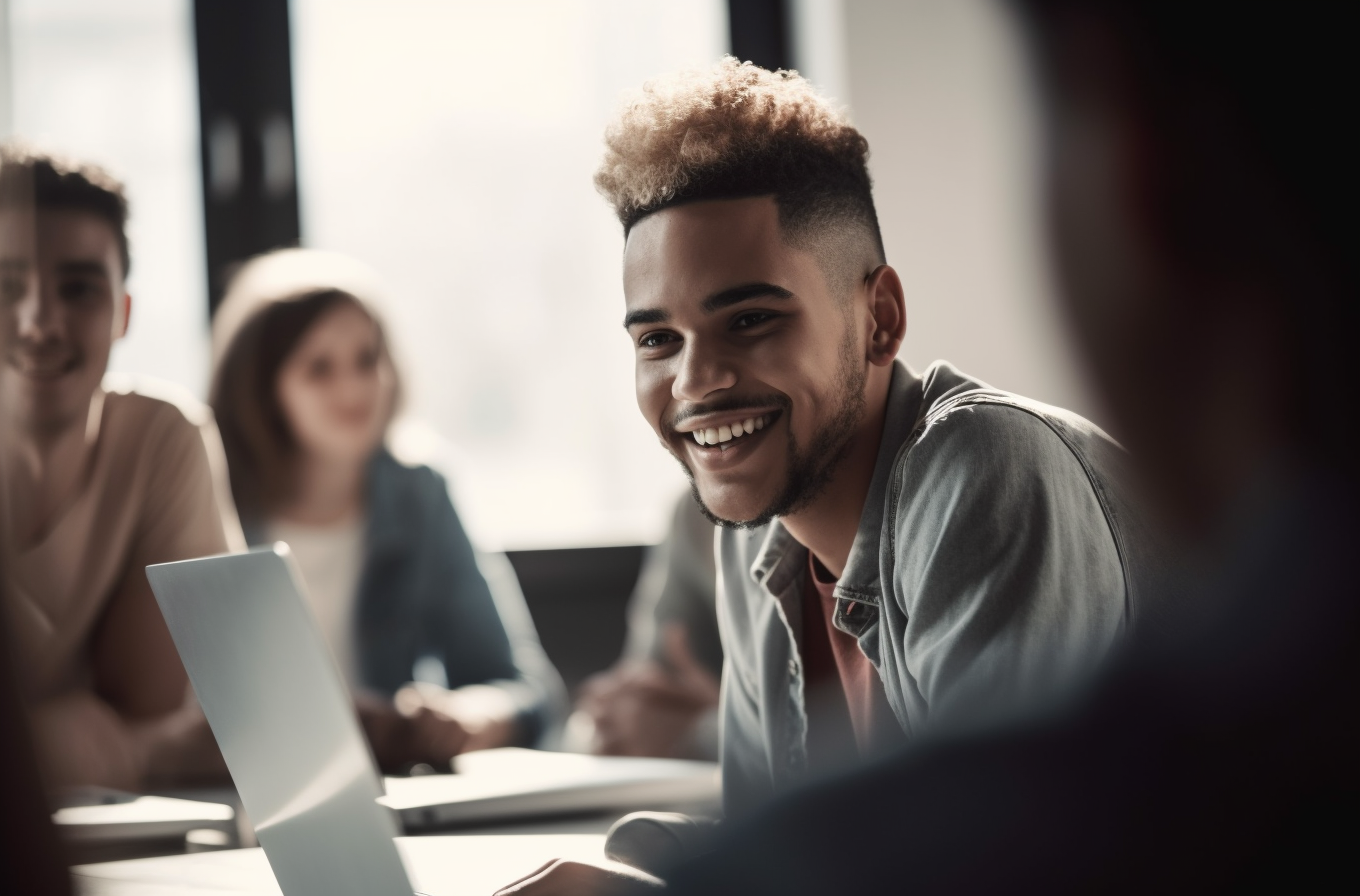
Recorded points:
(114,83)
(451,146)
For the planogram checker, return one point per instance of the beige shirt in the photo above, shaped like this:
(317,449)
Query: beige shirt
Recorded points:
(155,491)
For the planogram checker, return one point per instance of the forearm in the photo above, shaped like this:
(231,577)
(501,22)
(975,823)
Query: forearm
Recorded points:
(83,740)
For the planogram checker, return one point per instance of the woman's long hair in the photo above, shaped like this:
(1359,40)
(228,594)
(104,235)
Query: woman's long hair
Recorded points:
(259,325)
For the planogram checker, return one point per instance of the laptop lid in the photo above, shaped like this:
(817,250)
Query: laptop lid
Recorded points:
(284,722)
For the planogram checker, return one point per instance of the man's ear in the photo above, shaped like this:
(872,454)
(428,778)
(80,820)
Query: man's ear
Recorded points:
(122,314)
(887,316)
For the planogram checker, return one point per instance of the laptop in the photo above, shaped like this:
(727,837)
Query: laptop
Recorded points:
(284,721)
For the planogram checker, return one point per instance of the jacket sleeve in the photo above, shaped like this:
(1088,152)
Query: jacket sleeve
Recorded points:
(1007,569)
(482,631)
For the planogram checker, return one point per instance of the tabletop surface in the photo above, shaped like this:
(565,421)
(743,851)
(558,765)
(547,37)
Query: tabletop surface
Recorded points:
(449,865)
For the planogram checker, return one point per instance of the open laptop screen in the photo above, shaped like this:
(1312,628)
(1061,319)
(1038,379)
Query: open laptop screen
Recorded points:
(284,721)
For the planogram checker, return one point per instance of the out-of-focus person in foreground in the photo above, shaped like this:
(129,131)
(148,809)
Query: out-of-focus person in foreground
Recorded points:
(305,390)
(1201,197)
(102,477)
(30,853)
(661,697)
(902,553)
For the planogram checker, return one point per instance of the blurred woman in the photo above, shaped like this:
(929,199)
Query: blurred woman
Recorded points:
(305,390)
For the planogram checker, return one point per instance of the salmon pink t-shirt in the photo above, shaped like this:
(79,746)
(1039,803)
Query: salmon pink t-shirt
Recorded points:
(848,710)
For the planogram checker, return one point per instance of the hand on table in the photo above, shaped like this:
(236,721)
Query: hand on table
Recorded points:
(562,877)
(428,724)
(405,735)
(644,709)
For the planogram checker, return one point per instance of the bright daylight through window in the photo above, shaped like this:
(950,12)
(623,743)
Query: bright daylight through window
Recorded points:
(450,145)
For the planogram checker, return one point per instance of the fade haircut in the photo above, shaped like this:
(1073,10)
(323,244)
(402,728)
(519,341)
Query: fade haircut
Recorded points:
(30,178)
(736,131)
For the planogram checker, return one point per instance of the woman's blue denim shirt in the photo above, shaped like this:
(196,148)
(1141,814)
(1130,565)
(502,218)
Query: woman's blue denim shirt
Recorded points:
(425,593)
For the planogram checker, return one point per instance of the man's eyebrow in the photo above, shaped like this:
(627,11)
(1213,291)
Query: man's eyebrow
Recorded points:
(716,302)
(82,267)
(645,316)
(737,294)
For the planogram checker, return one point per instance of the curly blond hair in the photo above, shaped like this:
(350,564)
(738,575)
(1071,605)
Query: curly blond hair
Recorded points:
(732,131)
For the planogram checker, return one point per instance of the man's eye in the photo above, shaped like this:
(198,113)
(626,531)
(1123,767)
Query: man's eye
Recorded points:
(751,319)
(319,369)
(76,290)
(655,340)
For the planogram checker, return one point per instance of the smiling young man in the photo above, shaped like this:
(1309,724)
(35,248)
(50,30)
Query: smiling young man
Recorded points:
(901,552)
(99,482)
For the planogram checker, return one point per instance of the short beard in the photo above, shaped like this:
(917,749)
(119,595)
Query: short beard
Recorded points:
(810,470)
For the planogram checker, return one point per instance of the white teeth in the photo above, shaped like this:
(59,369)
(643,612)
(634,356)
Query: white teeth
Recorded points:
(729,431)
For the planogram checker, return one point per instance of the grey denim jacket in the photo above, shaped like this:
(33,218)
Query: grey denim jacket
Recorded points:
(997,560)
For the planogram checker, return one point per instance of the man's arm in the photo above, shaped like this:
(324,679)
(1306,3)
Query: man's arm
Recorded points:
(1008,571)
(137,718)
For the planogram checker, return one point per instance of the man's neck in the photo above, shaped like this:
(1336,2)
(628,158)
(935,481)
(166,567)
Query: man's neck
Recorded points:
(827,527)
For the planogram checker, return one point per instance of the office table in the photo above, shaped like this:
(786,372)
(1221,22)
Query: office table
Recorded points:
(446,865)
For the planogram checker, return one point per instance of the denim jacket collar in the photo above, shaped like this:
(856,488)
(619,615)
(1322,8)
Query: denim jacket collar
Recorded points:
(781,559)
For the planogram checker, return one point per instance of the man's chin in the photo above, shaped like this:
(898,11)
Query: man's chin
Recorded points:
(732,514)
(45,401)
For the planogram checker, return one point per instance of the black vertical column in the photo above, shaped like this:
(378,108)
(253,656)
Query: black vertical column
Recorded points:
(761,32)
(245,106)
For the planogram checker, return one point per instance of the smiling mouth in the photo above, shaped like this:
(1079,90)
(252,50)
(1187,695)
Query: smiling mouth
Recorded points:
(42,369)
(721,437)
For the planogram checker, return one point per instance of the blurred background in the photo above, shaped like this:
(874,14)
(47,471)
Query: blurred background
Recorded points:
(450,144)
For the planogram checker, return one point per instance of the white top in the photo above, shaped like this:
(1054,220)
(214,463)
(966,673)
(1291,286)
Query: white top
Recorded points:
(330,558)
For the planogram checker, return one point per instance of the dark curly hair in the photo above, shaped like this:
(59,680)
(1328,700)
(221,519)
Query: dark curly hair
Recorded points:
(30,177)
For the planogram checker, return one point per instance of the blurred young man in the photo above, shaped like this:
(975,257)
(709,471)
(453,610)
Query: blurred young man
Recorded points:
(99,482)
(661,697)
(902,553)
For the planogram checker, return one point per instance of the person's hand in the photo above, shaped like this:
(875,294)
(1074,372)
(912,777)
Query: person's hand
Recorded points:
(405,734)
(643,709)
(561,877)
(486,713)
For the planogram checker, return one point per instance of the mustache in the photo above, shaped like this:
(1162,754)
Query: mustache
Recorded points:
(735,403)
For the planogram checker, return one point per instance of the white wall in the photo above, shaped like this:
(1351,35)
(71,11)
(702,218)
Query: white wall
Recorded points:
(939,90)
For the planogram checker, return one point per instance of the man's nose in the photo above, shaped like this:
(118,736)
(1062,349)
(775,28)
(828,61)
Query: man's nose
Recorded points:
(702,372)
(38,314)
